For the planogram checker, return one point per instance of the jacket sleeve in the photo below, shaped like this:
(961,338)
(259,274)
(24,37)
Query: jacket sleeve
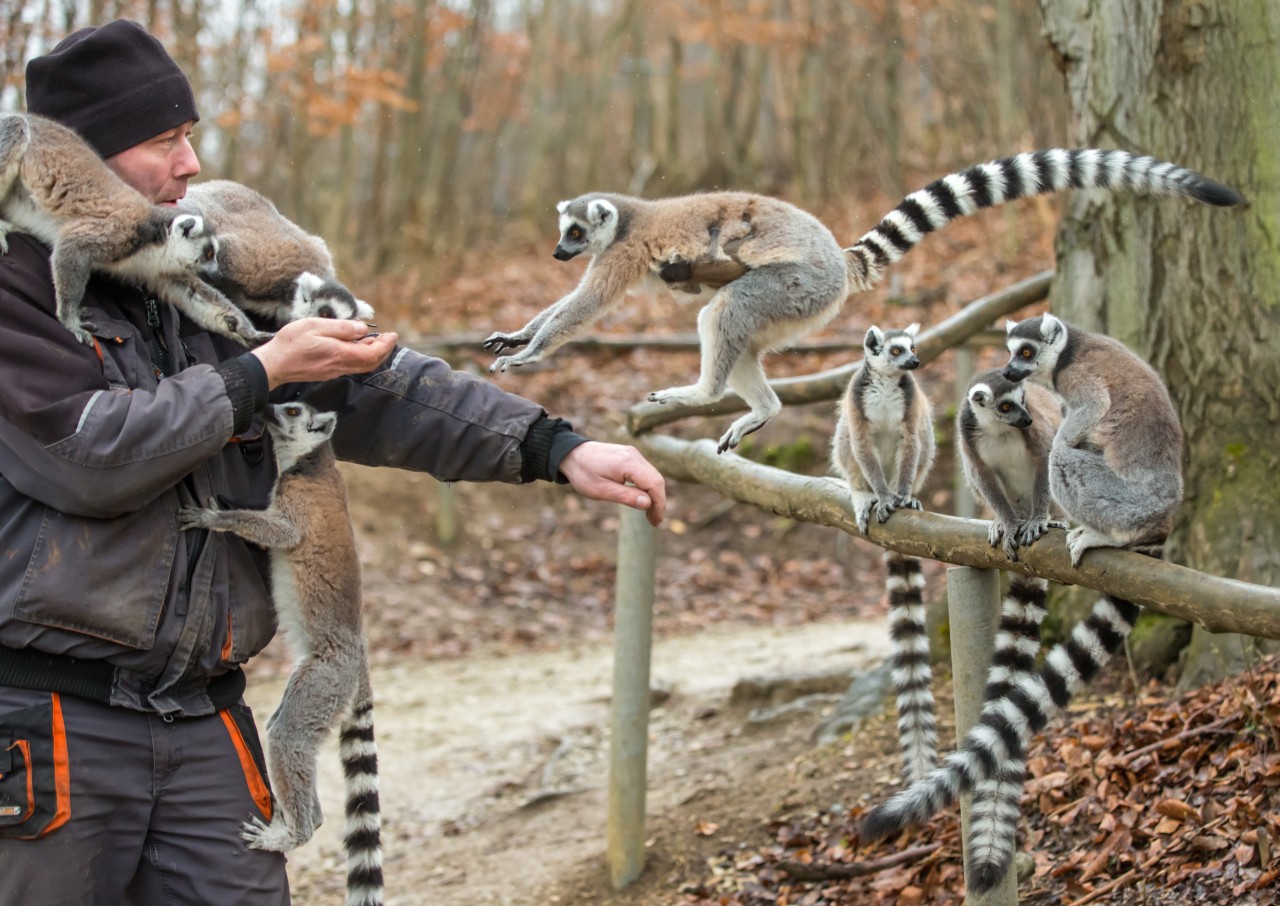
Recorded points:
(418,413)
(70,439)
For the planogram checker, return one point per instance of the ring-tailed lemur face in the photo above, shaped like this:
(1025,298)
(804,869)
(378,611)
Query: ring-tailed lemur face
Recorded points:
(587,224)
(298,428)
(892,348)
(1034,346)
(315,297)
(1003,400)
(192,246)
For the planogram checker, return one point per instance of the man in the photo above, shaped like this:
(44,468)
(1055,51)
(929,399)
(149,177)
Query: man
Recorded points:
(127,760)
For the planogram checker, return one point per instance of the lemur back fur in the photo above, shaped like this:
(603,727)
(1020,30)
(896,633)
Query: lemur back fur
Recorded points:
(315,582)
(267,264)
(791,274)
(54,186)
(1115,469)
(883,447)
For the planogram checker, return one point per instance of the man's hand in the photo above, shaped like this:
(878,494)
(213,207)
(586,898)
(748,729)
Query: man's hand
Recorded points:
(601,471)
(318,349)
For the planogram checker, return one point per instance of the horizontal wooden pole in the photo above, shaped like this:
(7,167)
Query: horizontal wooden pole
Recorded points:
(1217,604)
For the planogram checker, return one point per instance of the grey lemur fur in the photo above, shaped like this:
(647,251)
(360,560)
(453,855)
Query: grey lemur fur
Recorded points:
(54,186)
(315,581)
(1115,469)
(883,447)
(792,275)
(1004,431)
(267,264)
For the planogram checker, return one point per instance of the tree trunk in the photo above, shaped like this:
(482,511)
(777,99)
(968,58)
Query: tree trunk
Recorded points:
(1194,290)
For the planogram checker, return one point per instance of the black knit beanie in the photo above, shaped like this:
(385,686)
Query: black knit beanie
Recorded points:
(115,84)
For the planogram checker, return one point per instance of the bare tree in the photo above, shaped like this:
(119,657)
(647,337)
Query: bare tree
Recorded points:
(1194,290)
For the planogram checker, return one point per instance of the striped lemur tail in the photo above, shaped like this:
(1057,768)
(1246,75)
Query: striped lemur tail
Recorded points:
(1020,176)
(909,663)
(993,816)
(1007,723)
(363,835)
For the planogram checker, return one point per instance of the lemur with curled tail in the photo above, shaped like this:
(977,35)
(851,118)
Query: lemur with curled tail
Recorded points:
(315,583)
(883,446)
(791,274)
(1115,469)
(54,186)
(267,264)
(1005,430)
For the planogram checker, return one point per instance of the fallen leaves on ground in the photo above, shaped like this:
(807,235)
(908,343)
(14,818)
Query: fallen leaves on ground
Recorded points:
(1141,800)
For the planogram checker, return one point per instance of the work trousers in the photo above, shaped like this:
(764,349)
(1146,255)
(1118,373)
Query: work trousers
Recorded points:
(128,808)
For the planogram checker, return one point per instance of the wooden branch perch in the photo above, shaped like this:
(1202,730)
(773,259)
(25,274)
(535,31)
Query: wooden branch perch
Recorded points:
(1217,604)
(828,385)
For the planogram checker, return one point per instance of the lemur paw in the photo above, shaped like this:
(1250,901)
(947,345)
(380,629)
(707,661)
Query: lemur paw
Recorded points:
(498,342)
(276,837)
(82,330)
(194,517)
(907,502)
(1082,539)
(863,516)
(885,508)
(681,396)
(1031,530)
(503,362)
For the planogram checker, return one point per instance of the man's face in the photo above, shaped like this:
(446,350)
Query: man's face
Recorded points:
(159,167)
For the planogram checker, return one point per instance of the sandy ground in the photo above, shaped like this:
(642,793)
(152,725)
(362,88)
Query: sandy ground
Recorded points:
(494,770)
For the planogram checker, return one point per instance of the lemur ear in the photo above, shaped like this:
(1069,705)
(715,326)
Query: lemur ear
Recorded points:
(562,205)
(980,395)
(912,329)
(874,341)
(308,283)
(1009,326)
(600,211)
(1051,328)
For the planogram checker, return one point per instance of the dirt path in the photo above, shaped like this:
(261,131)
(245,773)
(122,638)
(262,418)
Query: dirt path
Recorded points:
(494,769)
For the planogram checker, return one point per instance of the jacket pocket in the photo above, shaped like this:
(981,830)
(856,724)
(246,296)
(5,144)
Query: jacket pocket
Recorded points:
(35,773)
(107,578)
(124,365)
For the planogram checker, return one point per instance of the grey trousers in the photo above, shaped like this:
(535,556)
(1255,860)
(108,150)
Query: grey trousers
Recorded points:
(146,812)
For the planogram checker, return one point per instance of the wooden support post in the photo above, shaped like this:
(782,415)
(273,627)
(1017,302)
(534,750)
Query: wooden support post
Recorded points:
(973,608)
(966,507)
(446,513)
(628,745)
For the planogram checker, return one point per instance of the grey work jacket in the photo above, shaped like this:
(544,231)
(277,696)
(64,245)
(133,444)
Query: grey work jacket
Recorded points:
(98,450)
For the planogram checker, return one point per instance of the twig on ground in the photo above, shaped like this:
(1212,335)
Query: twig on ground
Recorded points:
(834,871)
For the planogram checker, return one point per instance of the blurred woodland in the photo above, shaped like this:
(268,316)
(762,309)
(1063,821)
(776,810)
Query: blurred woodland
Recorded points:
(416,131)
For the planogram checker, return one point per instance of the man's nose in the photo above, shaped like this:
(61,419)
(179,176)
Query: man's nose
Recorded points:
(185,165)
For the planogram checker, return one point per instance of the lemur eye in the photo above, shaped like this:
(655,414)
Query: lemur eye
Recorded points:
(1005,407)
(895,351)
(575,233)
(293,411)
(1026,352)
(326,312)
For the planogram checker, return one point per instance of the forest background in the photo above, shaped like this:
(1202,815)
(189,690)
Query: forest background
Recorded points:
(429,141)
